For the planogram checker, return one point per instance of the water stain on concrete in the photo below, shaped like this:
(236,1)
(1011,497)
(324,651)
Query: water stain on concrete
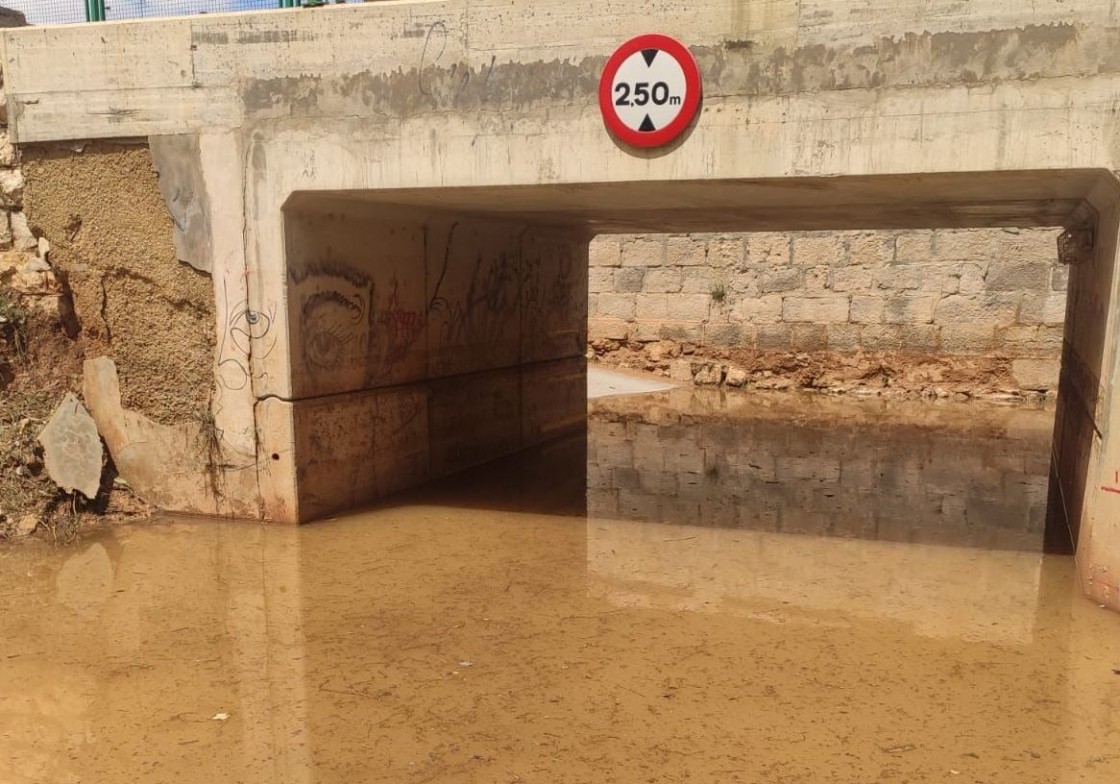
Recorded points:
(491,629)
(442,81)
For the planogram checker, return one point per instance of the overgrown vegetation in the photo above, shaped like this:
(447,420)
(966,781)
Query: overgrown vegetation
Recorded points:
(13,331)
(719,292)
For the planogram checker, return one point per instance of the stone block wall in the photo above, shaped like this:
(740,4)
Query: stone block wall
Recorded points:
(972,293)
(15,234)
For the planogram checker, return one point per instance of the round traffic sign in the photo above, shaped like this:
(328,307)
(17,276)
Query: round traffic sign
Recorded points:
(650,91)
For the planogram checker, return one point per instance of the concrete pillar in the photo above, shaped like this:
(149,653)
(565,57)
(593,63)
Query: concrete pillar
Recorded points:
(1087,431)
(420,344)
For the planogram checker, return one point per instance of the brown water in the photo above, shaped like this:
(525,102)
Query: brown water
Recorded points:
(491,631)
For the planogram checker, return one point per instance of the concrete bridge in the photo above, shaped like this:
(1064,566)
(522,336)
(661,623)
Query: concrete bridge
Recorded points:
(394,202)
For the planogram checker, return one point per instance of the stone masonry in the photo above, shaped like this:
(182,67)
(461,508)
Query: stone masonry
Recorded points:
(970,293)
(24,267)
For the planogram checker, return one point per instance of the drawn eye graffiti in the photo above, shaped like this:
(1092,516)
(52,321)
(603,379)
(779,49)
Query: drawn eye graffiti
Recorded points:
(244,326)
(332,327)
(247,325)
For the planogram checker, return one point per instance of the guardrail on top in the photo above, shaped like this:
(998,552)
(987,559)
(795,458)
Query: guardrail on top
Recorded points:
(43,12)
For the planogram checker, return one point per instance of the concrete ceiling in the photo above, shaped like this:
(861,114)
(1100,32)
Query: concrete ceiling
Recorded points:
(1024,198)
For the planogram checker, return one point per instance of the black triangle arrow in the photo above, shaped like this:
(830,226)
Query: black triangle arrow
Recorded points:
(649,54)
(647,125)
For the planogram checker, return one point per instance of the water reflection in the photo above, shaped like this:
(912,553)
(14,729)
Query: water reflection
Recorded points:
(971,476)
(487,631)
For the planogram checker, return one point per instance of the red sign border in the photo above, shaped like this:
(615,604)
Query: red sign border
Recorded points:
(662,136)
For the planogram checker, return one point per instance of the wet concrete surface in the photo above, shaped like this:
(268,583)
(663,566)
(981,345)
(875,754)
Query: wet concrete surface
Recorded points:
(506,626)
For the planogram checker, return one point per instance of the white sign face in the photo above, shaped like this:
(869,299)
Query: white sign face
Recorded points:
(649,91)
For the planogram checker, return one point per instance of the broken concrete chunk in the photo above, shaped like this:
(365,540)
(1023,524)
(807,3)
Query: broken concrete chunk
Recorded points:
(178,161)
(72,448)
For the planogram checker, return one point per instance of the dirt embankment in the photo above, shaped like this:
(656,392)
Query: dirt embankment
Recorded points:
(39,365)
(880,374)
(88,269)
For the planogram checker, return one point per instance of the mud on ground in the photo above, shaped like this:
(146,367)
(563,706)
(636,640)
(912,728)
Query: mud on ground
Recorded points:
(878,374)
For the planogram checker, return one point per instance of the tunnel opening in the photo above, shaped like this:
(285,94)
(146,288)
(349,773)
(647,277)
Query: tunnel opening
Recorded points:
(858,327)
(440,329)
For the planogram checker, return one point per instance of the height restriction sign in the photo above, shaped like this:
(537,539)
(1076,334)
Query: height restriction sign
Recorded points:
(650,91)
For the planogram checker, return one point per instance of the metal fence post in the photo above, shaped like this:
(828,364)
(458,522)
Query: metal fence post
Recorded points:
(95,10)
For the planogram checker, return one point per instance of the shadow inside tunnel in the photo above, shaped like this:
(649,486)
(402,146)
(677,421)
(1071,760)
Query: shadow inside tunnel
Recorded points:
(970,475)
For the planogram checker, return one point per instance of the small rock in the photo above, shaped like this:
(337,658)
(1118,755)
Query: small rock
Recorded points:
(22,237)
(7,151)
(680,370)
(27,525)
(73,448)
(736,377)
(688,348)
(708,375)
(670,348)
(44,247)
(11,188)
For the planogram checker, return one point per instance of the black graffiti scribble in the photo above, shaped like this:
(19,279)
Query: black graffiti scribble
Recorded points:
(437,31)
(441,88)
(243,326)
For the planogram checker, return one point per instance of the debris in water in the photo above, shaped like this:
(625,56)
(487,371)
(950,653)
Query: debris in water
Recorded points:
(466,664)
(898,749)
(219,717)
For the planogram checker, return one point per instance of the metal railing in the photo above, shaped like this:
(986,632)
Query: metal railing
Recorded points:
(43,12)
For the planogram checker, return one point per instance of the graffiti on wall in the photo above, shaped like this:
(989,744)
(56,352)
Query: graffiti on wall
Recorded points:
(332,306)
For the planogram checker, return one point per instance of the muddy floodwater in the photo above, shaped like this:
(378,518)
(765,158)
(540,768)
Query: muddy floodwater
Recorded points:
(706,589)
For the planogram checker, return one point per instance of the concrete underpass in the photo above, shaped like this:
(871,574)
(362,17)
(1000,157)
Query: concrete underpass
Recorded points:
(396,202)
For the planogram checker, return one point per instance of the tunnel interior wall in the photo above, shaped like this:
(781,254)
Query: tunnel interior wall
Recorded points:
(1085,476)
(422,344)
(1078,421)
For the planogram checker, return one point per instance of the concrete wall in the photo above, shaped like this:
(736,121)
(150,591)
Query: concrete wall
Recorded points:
(976,292)
(423,344)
